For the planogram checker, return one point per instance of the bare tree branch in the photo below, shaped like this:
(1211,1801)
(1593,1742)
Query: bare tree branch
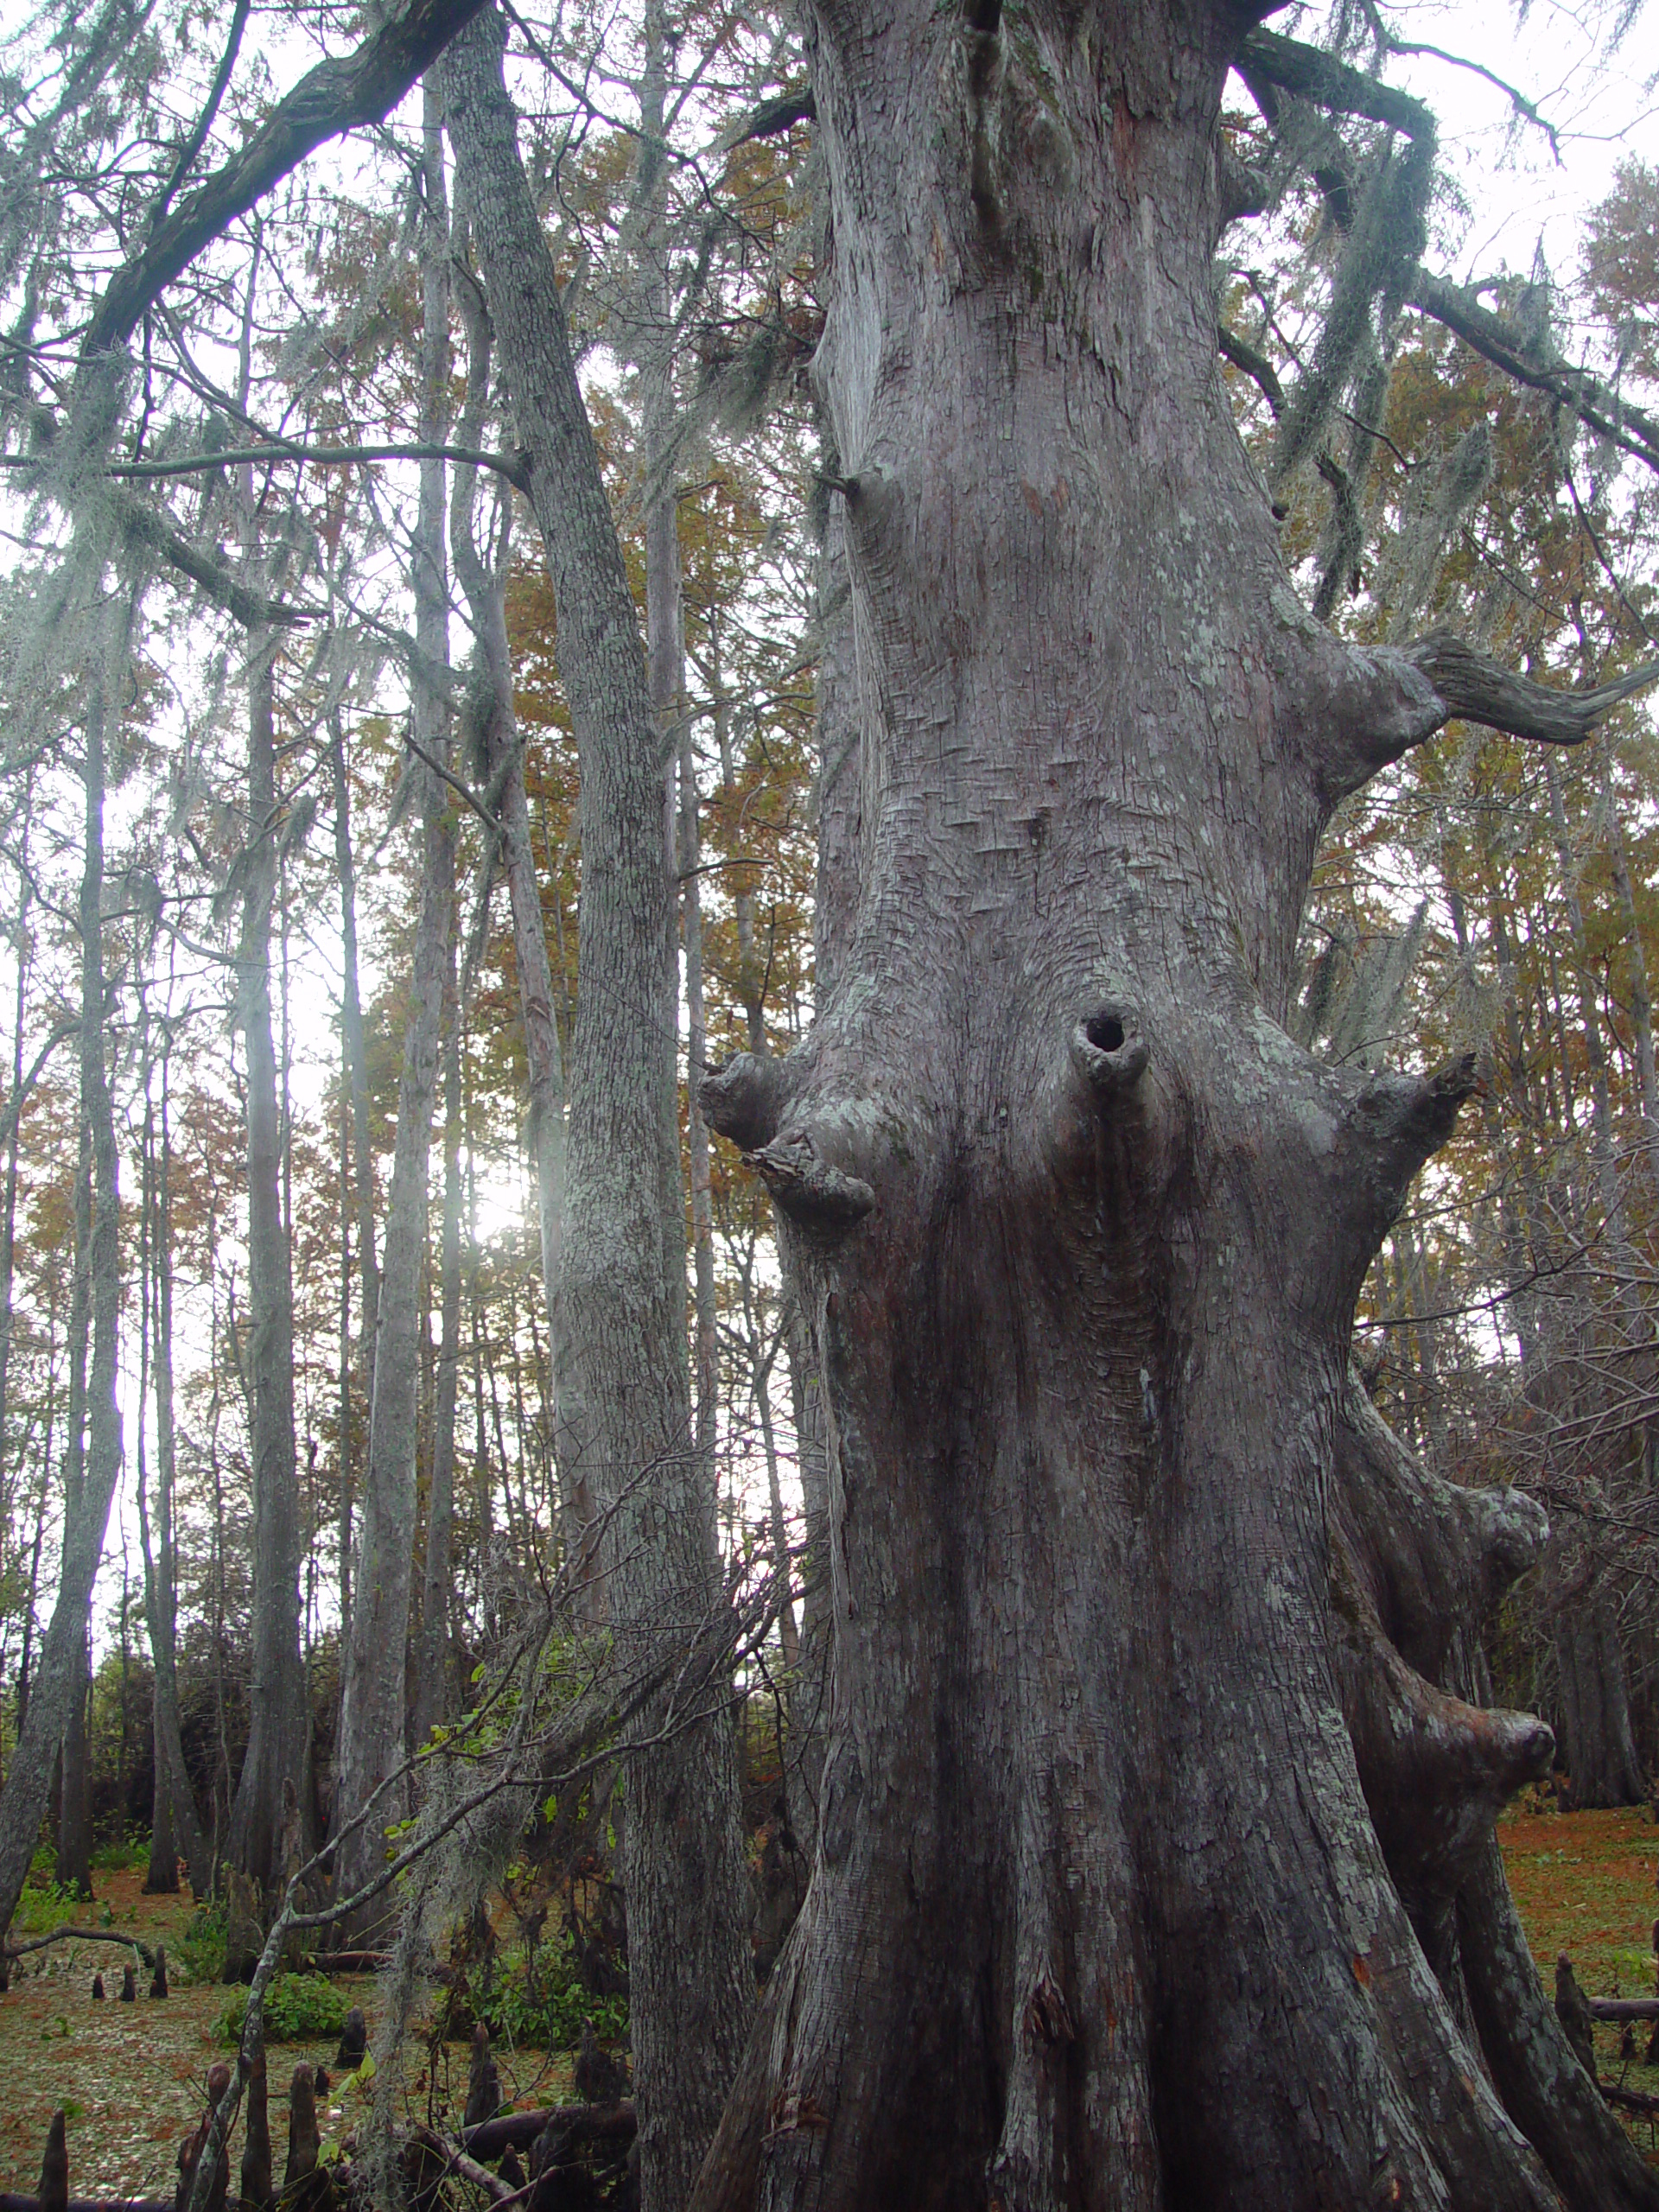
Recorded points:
(341,94)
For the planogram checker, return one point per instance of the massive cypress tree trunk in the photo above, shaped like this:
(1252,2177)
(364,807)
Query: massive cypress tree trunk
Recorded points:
(1600,1745)
(1149,1801)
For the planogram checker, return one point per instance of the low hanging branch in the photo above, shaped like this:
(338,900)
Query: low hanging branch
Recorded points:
(67,1935)
(1309,75)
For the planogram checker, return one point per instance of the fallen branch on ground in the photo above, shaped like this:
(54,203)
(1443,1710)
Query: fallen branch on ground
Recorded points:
(613,2123)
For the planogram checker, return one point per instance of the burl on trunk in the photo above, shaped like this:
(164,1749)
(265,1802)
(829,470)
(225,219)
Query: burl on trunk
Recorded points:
(1154,1864)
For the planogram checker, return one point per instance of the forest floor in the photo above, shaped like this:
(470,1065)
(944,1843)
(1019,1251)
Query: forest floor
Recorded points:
(130,2077)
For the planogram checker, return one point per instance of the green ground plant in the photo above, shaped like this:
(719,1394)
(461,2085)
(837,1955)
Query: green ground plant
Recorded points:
(537,1998)
(299,2008)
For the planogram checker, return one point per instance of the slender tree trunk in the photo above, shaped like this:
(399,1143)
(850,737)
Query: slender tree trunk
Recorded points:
(354,1053)
(483,1471)
(789,1637)
(432,1685)
(73,1871)
(8,1212)
(162,1869)
(277,1730)
(1636,959)
(161,1555)
(705,1324)
(624,1414)
(491,713)
(48,1438)
(61,1671)
(373,1696)
(162,1874)
(343,1416)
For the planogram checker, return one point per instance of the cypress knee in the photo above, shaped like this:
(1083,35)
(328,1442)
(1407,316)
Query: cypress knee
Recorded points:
(257,2190)
(54,2167)
(483,2083)
(353,2040)
(304,2142)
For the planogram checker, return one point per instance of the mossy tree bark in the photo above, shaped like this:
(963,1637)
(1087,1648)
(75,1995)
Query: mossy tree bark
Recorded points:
(1150,1796)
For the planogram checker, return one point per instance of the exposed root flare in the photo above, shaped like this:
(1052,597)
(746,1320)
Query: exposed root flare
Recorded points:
(744,1099)
(1108,1054)
(1431,1557)
(1436,1771)
(808,1190)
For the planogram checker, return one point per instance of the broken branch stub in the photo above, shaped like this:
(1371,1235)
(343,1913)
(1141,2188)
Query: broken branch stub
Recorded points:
(1395,1125)
(809,1190)
(1109,1054)
(744,1099)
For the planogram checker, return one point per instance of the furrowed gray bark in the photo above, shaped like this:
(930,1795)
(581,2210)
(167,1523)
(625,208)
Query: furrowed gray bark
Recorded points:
(279,1718)
(277,1732)
(59,1672)
(624,1412)
(1150,1796)
(159,1554)
(372,1715)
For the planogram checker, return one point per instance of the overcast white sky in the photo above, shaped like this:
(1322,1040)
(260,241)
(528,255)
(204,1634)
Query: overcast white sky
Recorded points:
(1604,111)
